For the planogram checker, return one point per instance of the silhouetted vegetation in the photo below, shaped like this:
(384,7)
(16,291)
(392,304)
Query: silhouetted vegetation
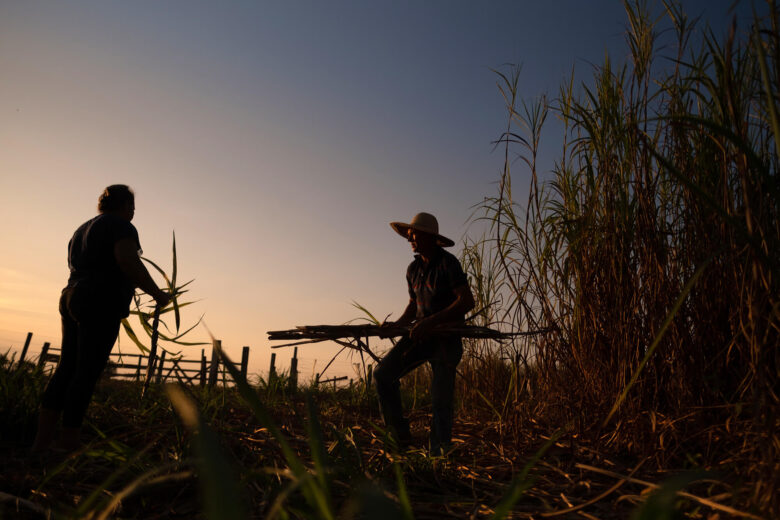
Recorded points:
(647,261)
(650,253)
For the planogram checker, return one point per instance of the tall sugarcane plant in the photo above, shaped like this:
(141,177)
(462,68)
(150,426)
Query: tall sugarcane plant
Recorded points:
(650,249)
(144,309)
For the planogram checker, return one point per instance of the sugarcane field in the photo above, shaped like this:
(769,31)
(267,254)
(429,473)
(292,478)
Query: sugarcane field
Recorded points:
(382,260)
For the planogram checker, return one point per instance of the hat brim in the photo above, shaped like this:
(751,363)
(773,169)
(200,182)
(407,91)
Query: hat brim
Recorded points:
(402,228)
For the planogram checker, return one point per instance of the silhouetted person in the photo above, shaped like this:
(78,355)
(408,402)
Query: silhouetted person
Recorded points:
(105,268)
(438,294)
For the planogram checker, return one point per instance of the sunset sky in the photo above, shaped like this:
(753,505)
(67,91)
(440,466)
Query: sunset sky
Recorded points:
(277,139)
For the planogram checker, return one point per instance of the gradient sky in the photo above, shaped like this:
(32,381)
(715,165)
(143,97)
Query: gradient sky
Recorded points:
(278,139)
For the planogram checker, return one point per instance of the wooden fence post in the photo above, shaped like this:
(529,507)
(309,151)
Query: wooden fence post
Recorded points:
(294,371)
(138,370)
(26,346)
(272,370)
(158,379)
(203,367)
(244,361)
(44,353)
(214,369)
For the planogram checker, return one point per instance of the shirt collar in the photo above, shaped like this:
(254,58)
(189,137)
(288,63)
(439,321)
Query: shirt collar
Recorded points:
(434,259)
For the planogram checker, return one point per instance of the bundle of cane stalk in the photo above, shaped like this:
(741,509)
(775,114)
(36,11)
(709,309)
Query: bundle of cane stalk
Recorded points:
(314,333)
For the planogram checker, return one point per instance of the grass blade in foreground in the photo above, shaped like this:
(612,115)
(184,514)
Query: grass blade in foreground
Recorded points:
(317,445)
(315,495)
(221,492)
(662,503)
(403,495)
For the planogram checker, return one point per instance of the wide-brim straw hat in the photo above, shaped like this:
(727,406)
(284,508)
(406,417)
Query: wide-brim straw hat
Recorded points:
(426,223)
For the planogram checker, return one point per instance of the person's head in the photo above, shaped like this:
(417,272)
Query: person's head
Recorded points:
(421,242)
(422,233)
(117,199)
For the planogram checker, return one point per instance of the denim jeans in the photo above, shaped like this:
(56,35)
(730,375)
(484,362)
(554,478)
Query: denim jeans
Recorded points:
(444,355)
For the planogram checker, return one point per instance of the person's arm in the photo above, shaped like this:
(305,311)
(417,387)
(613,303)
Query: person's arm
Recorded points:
(463,303)
(410,312)
(130,263)
(408,315)
(406,318)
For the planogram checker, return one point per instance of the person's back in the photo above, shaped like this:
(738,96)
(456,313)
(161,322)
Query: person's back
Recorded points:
(94,270)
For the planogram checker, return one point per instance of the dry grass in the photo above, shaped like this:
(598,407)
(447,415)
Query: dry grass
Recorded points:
(143,454)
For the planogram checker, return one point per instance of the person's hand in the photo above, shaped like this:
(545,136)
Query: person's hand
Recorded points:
(420,330)
(387,325)
(162,299)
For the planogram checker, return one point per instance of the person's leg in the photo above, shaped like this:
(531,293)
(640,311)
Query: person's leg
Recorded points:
(400,360)
(47,429)
(444,364)
(53,400)
(95,341)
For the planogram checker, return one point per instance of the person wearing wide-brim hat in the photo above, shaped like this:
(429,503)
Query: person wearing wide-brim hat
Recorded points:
(439,294)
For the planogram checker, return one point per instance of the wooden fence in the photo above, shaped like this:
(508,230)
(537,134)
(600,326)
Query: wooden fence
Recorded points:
(133,366)
(201,371)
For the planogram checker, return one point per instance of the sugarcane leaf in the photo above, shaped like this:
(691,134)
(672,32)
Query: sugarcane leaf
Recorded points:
(174,290)
(175,265)
(403,495)
(131,334)
(188,330)
(680,299)
(159,270)
(317,445)
(368,313)
(170,309)
(218,476)
(314,494)
(182,286)
(770,101)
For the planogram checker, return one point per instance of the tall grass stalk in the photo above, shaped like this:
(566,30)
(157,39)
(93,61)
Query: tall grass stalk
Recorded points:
(651,247)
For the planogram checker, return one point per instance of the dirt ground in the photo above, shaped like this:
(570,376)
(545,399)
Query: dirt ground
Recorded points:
(136,463)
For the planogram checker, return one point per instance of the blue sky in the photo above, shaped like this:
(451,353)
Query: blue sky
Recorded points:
(278,139)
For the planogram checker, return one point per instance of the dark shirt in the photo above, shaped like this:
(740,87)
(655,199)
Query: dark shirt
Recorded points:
(432,285)
(94,270)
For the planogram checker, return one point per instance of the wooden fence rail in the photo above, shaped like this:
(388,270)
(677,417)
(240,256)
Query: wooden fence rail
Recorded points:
(123,365)
(131,365)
